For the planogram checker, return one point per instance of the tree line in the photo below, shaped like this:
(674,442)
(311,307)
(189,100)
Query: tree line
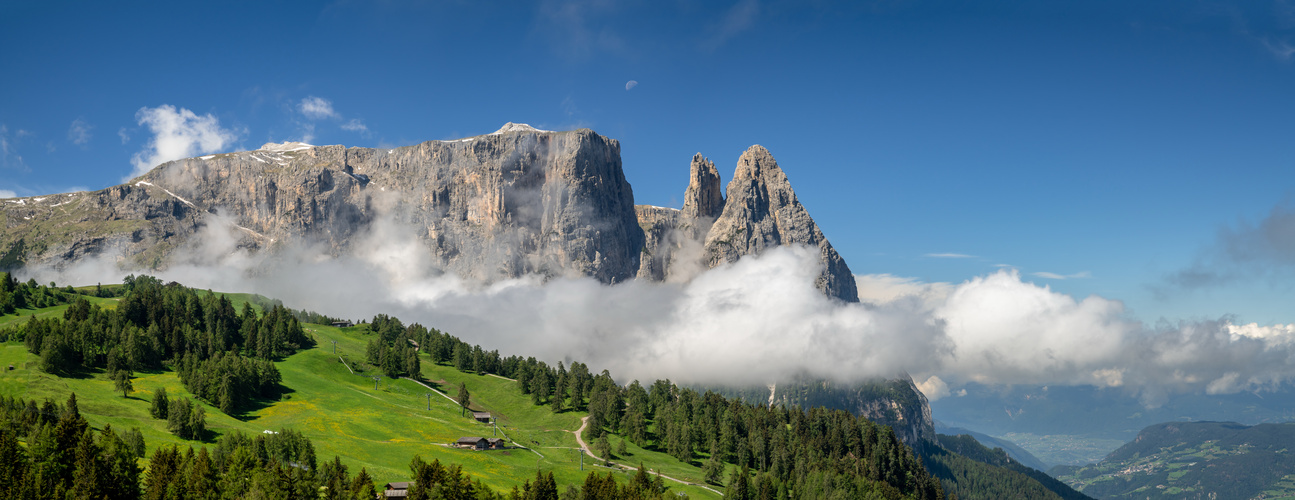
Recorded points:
(15,295)
(222,356)
(64,457)
(771,451)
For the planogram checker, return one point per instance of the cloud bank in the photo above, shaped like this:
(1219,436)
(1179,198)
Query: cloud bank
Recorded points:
(758,320)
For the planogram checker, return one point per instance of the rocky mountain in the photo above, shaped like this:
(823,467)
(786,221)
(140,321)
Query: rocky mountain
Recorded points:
(759,212)
(514,202)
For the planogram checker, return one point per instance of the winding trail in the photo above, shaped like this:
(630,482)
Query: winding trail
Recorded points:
(584,422)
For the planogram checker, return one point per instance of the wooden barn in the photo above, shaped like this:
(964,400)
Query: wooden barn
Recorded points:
(476,443)
(397,490)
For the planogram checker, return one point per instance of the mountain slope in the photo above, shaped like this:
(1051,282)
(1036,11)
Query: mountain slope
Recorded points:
(1012,449)
(966,447)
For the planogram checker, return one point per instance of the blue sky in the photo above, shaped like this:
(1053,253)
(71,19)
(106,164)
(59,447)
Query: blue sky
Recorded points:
(1144,153)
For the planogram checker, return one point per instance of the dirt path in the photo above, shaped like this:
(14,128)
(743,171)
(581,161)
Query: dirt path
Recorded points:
(444,395)
(584,422)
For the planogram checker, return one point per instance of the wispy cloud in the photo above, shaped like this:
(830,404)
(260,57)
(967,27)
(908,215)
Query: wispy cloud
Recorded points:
(1055,276)
(1279,49)
(739,18)
(578,29)
(178,133)
(5,193)
(355,125)
(79,132)
(9,157)
(1240,252)
(949,255)
(317,108)
(125,137)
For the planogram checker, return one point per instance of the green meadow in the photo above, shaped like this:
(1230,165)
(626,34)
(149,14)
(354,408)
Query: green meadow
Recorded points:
(379,426)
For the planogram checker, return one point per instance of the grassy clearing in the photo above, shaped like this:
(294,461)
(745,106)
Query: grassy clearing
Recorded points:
(56,311)
(380,429)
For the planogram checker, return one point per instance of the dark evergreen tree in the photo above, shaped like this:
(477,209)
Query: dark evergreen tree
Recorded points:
(464,398)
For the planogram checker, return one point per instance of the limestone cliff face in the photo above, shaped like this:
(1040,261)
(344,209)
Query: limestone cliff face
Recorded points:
(761,211)
(501,205)
(659,225)
(703,201)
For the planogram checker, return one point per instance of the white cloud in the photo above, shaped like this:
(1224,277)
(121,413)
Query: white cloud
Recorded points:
(79,132)
(1277,334)
(1055,276)
(879,288)
(125,137)
(178,133)
(317,108)
(355,125)
(933,388)
(1009,331)
(949,255)
(5,193)
(757,320)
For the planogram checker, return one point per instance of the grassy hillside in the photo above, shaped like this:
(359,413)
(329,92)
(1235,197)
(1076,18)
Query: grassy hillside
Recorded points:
(379,428)
(331,396)
(1195,459)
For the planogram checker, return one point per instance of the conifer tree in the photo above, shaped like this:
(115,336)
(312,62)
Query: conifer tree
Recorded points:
(362,487)
(198,423)
(121,380)
(464,398)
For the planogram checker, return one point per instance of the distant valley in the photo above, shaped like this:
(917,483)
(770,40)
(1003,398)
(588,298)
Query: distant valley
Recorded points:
(1221,460)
